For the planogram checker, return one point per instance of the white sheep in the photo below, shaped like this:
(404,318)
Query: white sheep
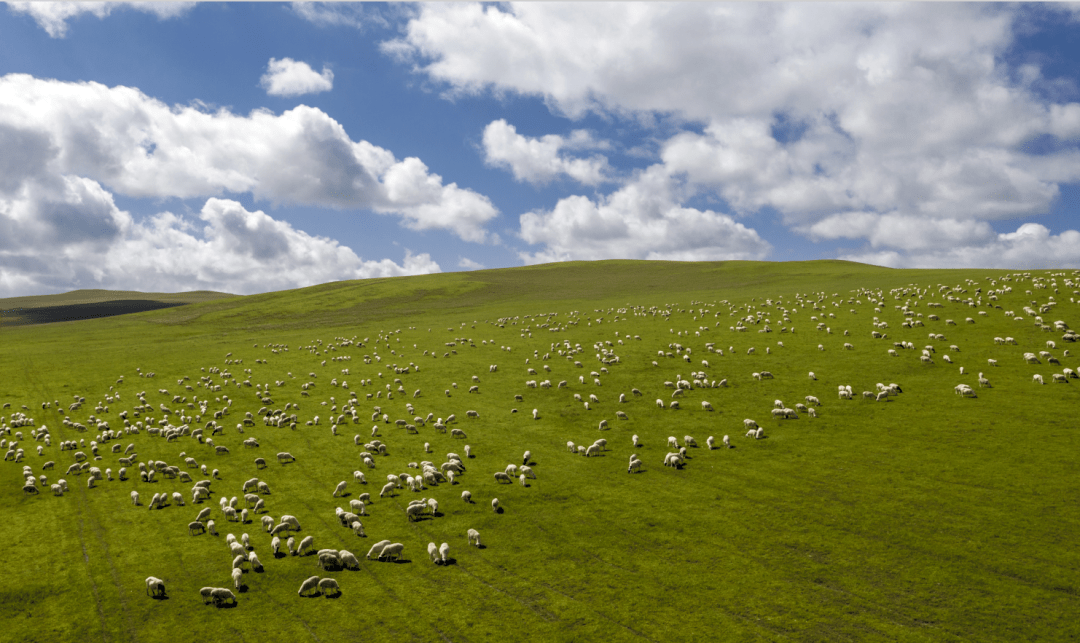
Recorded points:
(393,550)
(308,585)
(635,440)
(340,489)
(495,504)
(466,496)
(377,548)
(307,543)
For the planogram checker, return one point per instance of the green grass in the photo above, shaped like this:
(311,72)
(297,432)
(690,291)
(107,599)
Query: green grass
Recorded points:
(928,518)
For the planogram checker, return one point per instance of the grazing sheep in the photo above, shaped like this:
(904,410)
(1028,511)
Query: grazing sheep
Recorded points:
(308,585)
(340,489)
(392,551)
(220,595)
(474,537)
(135,498)
(307,543)
(590,451)
(1037,378)
(444,552)
(377,548)
(284,457)
(635,440)
(466,496)
(238,577)
(727,442)
(433,552)
(709,442)
(388,488)
(414,511)
(502,477)
(495,504)
(673,442)
(196,527)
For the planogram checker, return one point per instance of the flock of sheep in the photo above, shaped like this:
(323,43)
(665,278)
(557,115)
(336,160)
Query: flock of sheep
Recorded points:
(161,415)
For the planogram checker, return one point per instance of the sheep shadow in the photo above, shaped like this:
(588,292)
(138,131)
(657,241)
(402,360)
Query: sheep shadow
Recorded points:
(336,595)
(345,494)
(399,561)
(226,606)
(499,510)
(243,589)
(449,561)
(481,546)
(278,555)
(160,597)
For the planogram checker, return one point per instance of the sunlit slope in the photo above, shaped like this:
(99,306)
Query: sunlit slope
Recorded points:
(930,516)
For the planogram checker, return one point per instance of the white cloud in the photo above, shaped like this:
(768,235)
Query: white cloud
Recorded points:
(138,146)
(1030,247)
(469,264)
(71,234)
(339,14)
(53,16)
(537,160)
(642,220)
(904,112)
(288,77)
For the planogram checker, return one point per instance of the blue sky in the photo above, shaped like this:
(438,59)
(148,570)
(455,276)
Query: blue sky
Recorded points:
(249,147)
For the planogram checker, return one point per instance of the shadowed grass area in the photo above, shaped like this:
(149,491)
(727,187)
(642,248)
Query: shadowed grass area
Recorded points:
(929,516)
(92,304)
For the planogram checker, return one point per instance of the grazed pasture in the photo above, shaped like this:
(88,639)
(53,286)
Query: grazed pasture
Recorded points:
(927,515)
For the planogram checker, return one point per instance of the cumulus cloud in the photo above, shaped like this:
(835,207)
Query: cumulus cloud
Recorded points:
(288,77)
(538,160)
(140,147)
(71,234)
(53,16)
(469,264)
(907,115)
(642,220)
(1031,247)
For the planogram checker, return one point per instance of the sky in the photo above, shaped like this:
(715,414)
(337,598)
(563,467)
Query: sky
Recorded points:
(254,147)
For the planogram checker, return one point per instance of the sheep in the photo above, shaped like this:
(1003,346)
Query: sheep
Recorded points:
(502,477)
(727,442)
(388,488)
(220,595)
(635,440)
(340,489)
(196,526)
(308,585)
(414,511)
(348,559)
(1037,378)
(590,451)
(474,537)
(466,496)
(689,441)
(377,548)
(291,544)
(709,442)
(433,552)
(457,433)
(307,543)
(393,550)
(495,505)
(238,577)
(285,457)
(135,498)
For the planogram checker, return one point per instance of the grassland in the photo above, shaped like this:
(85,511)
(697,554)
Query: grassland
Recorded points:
(93,304)
(930,517)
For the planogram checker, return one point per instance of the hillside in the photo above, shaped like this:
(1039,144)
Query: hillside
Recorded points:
(93,304)
(916,512)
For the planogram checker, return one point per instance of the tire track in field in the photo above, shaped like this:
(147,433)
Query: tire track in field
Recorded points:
(99,534)
(34,384)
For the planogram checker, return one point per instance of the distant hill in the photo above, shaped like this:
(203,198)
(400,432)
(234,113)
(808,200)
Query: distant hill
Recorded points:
(92,304)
